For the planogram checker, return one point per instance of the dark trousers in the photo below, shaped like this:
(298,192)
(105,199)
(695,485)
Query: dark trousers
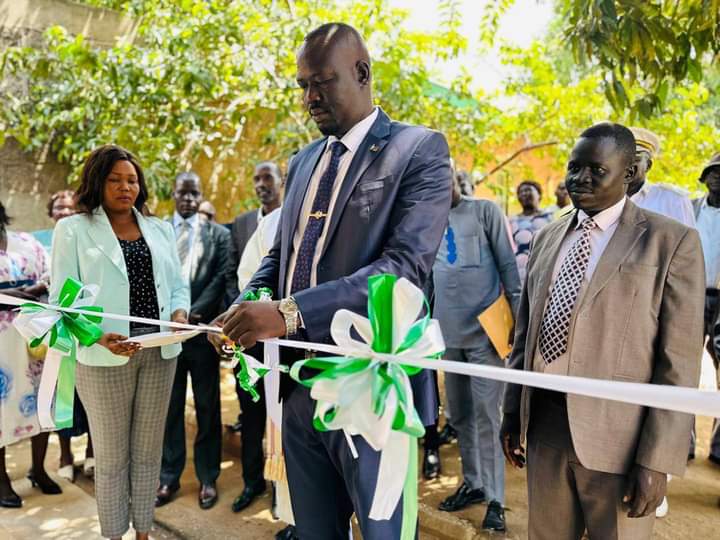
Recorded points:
(711,309)
(200,360)
(253,428)
(326,482)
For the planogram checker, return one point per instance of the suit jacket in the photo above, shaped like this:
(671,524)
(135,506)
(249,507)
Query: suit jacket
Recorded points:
(86,248)
(241,230)
(389,217)
(209,270)
(640,319)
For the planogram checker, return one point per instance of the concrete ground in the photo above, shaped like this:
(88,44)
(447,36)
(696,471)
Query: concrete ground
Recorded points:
(694,511)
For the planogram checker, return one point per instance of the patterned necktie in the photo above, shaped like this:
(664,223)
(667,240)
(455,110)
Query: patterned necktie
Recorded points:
(316,221)
(451,247)
(556,320)
(183,243)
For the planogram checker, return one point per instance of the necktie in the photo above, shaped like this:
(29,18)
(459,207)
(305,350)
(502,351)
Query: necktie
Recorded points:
(451,247)
(555,326)
(316,221)
(183,244)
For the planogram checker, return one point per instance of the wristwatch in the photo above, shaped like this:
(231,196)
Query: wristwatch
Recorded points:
(290,311)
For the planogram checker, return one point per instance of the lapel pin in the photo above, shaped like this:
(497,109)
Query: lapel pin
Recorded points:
(374,148)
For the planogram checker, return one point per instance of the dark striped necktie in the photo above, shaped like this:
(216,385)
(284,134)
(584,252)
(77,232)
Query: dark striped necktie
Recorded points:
(316,221)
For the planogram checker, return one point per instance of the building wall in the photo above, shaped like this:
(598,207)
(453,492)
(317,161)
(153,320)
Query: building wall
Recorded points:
(28,180)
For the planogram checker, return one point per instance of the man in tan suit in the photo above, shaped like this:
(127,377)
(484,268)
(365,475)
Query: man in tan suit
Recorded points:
(613,292)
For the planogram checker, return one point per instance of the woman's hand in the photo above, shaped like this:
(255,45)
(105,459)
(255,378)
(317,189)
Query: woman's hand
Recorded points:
(36,290)
(179,316)
(118,344)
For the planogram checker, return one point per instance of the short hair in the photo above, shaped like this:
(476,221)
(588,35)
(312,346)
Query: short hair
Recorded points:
(622,136)
(97,168)
(531,183)
(336,31)
(187,175)
(58,195)
(269,165)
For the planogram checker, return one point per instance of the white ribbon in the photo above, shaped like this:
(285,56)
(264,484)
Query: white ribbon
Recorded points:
(351,395)
(38,323)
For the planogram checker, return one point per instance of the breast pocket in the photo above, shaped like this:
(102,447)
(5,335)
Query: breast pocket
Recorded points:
(468,251)
(368,194)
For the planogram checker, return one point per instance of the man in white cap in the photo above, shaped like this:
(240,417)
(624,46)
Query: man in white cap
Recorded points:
(664,199)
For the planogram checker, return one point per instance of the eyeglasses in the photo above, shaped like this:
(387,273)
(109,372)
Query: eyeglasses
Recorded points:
(451,247)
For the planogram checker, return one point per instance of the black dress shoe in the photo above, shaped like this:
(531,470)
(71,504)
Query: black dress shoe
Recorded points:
(165,494)
(447,435)
(46,484)
(208,496)
(248,495)
(431,464)
(494,517)
(464,496)
(714,459)
(11,500)
(288,533)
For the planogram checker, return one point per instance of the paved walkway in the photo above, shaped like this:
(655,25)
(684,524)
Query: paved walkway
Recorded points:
(694,511)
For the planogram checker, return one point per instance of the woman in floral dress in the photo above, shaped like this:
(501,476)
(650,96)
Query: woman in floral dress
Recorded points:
(23,265)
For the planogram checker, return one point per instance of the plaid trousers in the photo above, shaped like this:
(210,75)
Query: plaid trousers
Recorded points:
(127,408)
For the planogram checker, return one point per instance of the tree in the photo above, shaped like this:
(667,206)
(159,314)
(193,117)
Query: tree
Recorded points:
(650,46)
(210,84)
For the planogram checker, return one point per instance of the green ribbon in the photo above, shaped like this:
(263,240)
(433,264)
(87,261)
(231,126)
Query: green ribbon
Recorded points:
(70,329)
(248,376)
(385,377)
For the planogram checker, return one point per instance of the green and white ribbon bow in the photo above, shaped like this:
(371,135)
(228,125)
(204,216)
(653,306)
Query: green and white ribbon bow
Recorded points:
(251,370)
(62,332)
(365,395)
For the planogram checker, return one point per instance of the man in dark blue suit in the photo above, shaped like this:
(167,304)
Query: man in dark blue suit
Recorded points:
(370,197)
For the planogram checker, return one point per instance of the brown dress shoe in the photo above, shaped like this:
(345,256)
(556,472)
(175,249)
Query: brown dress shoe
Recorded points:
(208,496)
(165,494)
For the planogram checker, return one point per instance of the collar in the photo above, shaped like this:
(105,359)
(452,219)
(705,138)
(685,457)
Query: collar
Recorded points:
(605,219)
(178,219)
(354,137)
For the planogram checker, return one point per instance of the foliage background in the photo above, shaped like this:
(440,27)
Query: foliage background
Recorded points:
(209,84)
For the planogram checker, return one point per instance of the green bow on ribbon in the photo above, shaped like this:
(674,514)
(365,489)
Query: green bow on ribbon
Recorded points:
(251,371)
(63,331)
(366,394)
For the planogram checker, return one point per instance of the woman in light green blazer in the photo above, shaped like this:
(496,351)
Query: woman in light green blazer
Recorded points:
(125,389)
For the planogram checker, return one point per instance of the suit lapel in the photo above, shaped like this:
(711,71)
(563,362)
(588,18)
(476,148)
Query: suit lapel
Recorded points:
(301,180)
(629,230)
(104,237)
(370,148)
(148,233)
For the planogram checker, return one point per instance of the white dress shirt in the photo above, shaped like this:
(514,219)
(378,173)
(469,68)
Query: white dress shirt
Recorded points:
(708,225)
(257,247)
(607,222)
(606,225)
(352,140)
(665,200)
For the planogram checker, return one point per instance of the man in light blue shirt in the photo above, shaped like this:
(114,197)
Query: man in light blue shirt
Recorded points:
(707,217)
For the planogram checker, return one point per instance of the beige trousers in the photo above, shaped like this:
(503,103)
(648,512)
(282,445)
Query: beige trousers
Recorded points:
(565,498)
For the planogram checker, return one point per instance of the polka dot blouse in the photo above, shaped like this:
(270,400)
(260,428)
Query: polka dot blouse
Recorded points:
(143,296)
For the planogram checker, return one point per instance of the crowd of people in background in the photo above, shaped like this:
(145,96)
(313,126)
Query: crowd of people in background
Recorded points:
(189,268)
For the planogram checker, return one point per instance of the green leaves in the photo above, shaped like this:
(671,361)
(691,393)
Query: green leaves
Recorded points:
(643,45)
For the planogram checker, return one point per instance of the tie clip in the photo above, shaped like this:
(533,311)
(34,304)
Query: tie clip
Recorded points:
(374,148)
(318,215)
